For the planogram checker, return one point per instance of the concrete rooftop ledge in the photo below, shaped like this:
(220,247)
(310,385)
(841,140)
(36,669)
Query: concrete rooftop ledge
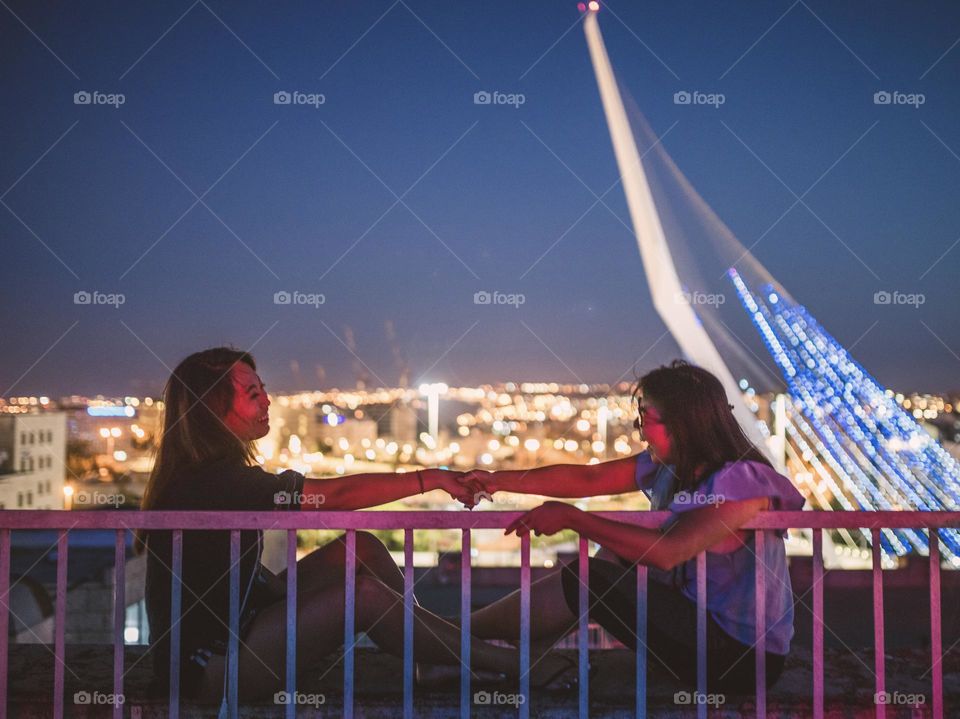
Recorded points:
(849,688)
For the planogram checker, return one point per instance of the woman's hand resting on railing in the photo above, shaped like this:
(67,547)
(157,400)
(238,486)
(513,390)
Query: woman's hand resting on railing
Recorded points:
(548,518)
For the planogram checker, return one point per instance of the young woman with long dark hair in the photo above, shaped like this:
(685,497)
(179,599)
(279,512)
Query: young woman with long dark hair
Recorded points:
(700,467)
(215,408)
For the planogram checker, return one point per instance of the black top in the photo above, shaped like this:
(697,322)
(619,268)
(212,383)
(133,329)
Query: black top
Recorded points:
(205,589)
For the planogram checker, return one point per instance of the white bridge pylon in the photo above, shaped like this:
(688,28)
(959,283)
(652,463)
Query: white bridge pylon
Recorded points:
(665,287)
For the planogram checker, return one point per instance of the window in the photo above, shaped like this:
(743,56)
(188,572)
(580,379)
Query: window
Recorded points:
(29,499)
(136,628)
(23,438)
(33,438)
(19,499)
(49,435)
(39,487)
(47,485)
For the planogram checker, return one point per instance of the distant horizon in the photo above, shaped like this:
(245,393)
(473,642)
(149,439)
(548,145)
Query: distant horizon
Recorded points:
(955,392)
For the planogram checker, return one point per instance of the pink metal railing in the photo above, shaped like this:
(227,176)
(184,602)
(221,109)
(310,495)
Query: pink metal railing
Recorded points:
(124,521)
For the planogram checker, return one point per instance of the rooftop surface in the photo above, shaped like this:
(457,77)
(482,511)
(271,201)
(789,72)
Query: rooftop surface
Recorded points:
(849,688)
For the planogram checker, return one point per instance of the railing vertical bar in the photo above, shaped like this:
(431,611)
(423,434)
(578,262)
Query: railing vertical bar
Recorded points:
(291,707)
(641,641)
(761,624)
(349,621)
(878,647)
(408,667)
(4,617)
(60,626)
(936,638)
(119,617)
(702,635)
(583,635)
(817,623)
(465,605)
(525,625)
(233,645)
(175,611)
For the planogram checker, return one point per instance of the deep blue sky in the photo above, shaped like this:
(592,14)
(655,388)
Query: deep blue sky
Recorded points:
(399,97)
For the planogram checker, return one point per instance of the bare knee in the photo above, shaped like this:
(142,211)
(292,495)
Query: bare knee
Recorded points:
(369,544)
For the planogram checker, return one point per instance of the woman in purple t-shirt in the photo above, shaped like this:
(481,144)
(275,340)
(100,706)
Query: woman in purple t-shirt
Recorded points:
(701,467)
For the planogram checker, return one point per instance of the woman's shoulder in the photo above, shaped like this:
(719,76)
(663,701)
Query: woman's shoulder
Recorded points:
(199,479)
(749,478)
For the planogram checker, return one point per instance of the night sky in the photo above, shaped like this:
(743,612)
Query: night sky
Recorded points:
(199,198)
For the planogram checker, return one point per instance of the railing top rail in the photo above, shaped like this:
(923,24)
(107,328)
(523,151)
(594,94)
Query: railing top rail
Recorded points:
(432,519)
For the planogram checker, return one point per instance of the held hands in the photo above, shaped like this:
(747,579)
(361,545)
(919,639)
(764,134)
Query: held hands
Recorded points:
(486,480)
(457,484)
(476,485)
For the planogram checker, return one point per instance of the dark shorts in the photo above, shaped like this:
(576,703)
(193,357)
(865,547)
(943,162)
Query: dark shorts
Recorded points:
(671,627)
(196,656)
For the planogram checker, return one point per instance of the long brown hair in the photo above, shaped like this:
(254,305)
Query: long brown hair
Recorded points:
(196,399)
(704,433)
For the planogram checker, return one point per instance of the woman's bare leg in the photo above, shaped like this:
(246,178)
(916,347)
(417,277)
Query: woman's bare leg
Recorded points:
(379,613)
(327,564)
(551,621)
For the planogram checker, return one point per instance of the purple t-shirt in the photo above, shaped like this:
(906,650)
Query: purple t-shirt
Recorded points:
(731,578)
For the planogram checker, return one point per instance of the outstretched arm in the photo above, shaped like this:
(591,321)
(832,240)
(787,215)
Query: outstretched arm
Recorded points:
(359,491)
(564,480)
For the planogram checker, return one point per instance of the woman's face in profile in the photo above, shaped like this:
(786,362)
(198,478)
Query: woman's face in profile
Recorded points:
(653,431)
(247,417)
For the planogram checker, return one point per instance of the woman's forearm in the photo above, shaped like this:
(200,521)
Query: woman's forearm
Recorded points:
(569,480)
(556,480)
(359,491)
(634,544)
